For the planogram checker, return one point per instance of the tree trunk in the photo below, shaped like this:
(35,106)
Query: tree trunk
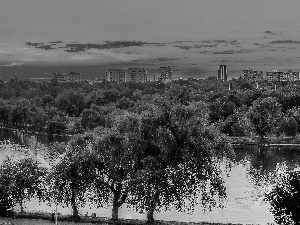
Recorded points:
(74,207)
(21,205)
(115,213)
(150,218)
(118,200)
(115,209)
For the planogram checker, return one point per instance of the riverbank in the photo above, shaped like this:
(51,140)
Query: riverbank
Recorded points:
(271,141)
(5,221)
(45,219)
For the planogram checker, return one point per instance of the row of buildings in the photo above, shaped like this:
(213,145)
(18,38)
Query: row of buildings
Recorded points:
(137,75)
(64,77)
(254,76)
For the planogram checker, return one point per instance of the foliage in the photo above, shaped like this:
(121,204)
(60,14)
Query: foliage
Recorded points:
(285,196)
(33,106)
(71,103)
(221,109)
(264,115)
(56,125)
(22,179)
(116,154)
(91,119)
(295,113)
(180,147)
(289,126)
(124,103)
(69,177)
(6,202)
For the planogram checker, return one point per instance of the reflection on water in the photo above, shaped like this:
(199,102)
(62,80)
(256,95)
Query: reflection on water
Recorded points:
(248,180)
(24,138)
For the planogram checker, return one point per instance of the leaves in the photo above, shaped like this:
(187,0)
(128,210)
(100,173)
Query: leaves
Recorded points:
(285,195)
(264,115)
(22,179)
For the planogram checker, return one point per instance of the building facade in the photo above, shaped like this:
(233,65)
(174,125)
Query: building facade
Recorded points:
(282,76)
(116,75)
(253,75)
(137,75)
(222,73)
(165,74)
(65,77)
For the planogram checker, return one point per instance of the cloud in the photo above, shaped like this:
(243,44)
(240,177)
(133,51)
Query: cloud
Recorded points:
(13,64)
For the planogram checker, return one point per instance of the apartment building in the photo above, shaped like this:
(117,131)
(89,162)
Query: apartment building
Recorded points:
(137,75)
(116,75)
(165,74)
(65,77)
(282,76)
(253,75)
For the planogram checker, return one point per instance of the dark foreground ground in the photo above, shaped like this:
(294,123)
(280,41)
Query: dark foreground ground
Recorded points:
(45,219)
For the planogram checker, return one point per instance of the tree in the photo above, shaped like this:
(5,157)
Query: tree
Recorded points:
(124,103)
(264,115)
(179,162)
(285,196)
(70,177)
(70,102)
(22,179)
(91,119)
(47,100)
(56,125)
(116,154)
(295,113)
(289,126)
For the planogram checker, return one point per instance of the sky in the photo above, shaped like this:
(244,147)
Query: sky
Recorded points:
(146,20)
(96,21)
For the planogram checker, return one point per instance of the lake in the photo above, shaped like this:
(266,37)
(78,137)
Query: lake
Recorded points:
(247,182)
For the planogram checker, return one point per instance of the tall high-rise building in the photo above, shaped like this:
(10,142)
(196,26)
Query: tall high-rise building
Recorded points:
(165,74)
(136,75)
(222,73)
(116,75)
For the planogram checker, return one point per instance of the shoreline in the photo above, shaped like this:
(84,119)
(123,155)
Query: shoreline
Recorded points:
(39,218)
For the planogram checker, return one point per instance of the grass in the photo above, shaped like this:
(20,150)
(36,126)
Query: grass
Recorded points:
(43,218)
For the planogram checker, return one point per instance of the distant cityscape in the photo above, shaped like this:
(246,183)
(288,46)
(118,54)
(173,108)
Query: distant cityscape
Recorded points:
(255,76)
(165,75)
(137,75)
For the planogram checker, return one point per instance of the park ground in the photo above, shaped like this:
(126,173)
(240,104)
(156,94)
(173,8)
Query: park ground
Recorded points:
(23,221)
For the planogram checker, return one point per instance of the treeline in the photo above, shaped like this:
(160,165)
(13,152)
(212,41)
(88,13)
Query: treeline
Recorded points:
(160,155)
(70,108)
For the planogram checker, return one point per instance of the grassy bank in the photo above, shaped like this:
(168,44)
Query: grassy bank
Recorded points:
(41,218)
(19,221)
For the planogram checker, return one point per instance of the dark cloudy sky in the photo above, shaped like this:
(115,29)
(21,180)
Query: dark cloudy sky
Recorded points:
(149,20)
